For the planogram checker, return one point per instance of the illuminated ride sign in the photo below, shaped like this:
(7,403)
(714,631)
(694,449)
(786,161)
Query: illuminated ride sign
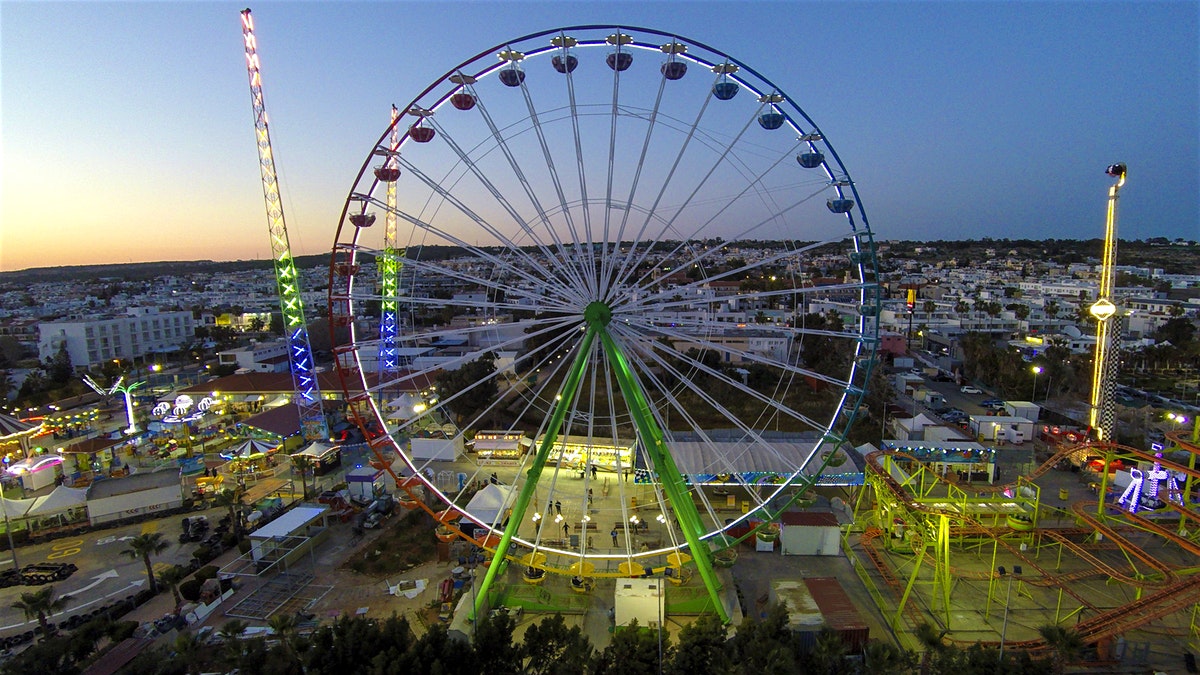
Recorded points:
(184,409)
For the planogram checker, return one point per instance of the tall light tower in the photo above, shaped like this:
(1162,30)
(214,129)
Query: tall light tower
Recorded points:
(307,393)
(1108,332)
(389,263)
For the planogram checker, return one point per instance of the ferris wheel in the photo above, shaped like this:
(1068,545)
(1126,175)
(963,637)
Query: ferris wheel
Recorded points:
(630,277)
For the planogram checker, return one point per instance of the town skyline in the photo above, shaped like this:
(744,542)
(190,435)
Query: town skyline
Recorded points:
(1021,108)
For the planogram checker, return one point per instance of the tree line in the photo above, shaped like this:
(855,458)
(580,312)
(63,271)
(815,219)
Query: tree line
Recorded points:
(550,647)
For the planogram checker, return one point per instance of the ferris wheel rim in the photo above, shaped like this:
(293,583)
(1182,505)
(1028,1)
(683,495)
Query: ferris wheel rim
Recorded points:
(848,186)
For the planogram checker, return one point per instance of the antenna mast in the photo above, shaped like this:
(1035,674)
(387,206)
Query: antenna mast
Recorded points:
(307,394)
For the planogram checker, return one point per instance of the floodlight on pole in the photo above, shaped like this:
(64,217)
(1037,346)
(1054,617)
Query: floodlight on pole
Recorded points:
(1008,596)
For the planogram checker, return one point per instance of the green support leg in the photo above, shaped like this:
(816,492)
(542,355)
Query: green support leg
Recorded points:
(664,465)
(539,462)
(597,315)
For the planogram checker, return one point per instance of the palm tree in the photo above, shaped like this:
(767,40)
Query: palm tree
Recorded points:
(885,658)
(231,635)
(302,465)
(285,626)
(1065,642)
(188,650)
(171,577)
(232,500)
(143,546)
(40,605)
(931,639)
(828,654)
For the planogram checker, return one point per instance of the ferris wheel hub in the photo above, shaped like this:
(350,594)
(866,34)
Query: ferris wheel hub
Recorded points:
(597,314)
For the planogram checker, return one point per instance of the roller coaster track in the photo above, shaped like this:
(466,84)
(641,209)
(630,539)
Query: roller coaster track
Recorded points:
(1172,593)
(867,541)
(1168,600)
(994,533)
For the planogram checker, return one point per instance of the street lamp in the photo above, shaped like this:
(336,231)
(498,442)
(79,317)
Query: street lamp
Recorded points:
(1008,596)
(1037,370)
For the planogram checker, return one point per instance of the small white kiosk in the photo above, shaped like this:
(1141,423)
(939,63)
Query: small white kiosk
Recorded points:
(641,599)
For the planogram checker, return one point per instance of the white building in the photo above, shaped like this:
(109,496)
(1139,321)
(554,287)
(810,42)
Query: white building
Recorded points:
(261,357)
(93,340)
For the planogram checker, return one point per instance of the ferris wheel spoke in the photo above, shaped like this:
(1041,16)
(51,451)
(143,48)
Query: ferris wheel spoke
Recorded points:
(561,289)
(500,237)
(589,260)
(723,457)
(744,235)
(753,357)
(450,364)
(435,270)
(519,173)
(722,378)
(525,227)
(750,298)
(742,270)
(611,168)
(669,222)
(555,365)
(588,285)
(610,261)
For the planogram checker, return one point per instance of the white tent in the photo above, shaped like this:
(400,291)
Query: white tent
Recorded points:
(316,450)
(490,503)
(17,508)
(404,402)
(63,499)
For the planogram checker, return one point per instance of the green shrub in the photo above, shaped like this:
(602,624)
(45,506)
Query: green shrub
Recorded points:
(244,546)
(120,630)
(205,573)
(190,589)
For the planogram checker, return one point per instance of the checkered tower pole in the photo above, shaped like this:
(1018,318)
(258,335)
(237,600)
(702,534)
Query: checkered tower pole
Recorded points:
(1108,327)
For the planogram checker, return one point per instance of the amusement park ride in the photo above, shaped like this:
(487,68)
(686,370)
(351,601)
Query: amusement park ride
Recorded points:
(572,188)
(306,391)
(935,541)
(579,263)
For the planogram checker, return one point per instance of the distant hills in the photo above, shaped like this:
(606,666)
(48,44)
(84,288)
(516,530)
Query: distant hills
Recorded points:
(149,270)
(1175,256)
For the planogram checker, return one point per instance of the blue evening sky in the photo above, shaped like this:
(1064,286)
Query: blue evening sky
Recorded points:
(127,127)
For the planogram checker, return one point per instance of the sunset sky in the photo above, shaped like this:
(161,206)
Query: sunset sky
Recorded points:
(128,135)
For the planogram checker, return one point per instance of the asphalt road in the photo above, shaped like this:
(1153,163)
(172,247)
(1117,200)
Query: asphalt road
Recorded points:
(105,575)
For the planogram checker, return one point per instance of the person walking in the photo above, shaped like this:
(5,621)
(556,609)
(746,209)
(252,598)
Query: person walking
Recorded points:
(614,537)
(558,507)
(566,530)
(594,471)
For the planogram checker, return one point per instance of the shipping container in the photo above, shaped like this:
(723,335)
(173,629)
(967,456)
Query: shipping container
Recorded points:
(803,613)
(839,612)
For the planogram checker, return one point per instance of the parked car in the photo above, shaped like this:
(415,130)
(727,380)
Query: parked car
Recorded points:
(968,389)
(954,415)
